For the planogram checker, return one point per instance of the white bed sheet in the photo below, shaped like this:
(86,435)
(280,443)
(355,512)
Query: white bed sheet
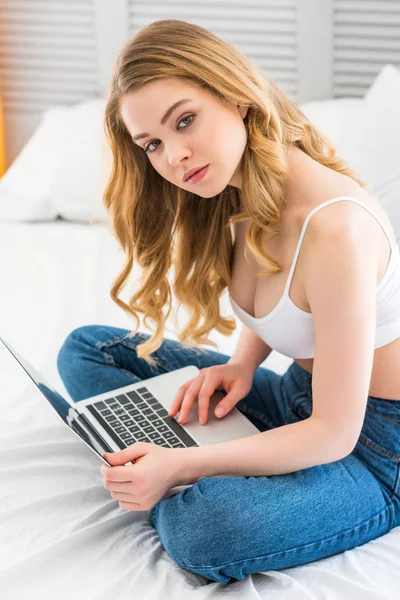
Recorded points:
(61,533)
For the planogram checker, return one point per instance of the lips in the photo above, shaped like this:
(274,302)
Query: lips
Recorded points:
(190,173)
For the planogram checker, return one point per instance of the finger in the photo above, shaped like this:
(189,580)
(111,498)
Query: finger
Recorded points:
(229,401)
(120,474)
(133,506)
(118,486)
(104,469)
(189,398)
(178,398)
(122,496)
(177,401)
(205,393)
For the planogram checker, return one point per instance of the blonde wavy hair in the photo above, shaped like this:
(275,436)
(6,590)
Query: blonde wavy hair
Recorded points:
(160,225)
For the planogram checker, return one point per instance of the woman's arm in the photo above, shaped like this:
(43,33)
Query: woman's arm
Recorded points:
(251,350)
(285,449)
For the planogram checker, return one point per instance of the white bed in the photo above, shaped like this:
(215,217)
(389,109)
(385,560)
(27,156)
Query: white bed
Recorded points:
(61,533)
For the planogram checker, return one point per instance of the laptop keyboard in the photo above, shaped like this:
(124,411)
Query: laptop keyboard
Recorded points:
(138,416)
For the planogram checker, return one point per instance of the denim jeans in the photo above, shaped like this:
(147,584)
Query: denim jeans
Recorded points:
(227,527)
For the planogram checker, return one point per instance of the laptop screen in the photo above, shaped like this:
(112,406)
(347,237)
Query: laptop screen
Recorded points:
(64,408)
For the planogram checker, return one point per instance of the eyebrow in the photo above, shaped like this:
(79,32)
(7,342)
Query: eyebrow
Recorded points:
(165,117)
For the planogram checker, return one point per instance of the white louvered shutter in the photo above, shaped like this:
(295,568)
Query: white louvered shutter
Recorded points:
(61,52)
(366,36)
(265,30)
(47,53)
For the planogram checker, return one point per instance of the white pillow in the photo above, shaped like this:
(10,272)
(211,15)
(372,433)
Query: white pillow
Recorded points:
(82,172)
(371,145)
(333,116)
(62,170)
(26,187)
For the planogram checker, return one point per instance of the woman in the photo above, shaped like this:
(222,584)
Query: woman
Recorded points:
(322,476)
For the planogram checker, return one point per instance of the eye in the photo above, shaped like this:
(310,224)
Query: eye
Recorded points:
(187,117)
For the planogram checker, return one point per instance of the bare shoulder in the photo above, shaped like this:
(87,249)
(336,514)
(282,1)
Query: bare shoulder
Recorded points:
(344,216)
(316,184)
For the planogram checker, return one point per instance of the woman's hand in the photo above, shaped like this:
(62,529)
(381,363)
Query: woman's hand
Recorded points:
(140,486)
(235,378)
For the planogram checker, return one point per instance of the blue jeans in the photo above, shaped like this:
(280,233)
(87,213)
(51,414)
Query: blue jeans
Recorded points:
(227,527)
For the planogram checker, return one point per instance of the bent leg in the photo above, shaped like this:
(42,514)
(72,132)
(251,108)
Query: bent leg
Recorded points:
(227,527)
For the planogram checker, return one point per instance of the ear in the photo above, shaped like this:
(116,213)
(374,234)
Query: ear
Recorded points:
(243,110)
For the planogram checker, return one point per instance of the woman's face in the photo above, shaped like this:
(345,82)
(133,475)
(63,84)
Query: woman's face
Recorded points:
(201,131)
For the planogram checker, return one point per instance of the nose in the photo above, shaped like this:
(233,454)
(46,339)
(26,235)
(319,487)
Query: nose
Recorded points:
(176,155)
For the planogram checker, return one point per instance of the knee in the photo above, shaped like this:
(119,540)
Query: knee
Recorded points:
(196,526)
(83,340)
(75,343)
(71,342)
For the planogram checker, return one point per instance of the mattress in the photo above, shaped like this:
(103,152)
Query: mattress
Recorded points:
(62,535)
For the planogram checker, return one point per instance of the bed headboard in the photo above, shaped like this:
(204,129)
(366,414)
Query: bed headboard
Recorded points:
(60,52)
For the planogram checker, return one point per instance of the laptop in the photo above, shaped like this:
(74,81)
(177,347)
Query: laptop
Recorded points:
(138,412)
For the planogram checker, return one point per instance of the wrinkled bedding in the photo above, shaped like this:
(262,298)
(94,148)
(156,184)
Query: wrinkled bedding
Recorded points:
(61,534)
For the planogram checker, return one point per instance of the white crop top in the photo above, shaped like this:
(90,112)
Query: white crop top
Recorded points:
(290,330)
